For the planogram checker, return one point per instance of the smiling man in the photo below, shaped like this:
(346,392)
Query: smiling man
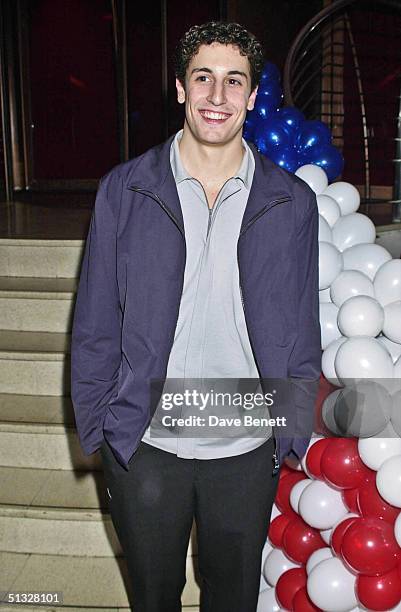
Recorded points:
(200,263)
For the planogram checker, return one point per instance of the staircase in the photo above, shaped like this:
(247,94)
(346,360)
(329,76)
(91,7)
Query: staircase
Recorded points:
(56,534)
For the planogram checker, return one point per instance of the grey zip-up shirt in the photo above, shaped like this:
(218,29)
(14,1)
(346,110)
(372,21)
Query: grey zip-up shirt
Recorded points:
(211,338)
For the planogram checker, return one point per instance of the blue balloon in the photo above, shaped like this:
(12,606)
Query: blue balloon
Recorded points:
(311,134)
(266,107)
(270,72)
(285,157)
(327,157)
(271,133)
(292,116)
(269,88)
(268,99)
(250,125)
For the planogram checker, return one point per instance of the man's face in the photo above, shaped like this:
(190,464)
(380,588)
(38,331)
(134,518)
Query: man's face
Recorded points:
(217,93)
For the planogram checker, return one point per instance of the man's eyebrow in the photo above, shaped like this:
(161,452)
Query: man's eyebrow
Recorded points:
(230,72)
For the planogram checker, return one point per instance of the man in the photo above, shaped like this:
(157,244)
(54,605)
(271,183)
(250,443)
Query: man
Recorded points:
(200,262)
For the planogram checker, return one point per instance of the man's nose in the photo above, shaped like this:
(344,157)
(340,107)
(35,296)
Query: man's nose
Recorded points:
(217,94)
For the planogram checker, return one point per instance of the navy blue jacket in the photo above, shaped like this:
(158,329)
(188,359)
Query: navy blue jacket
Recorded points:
(130,289)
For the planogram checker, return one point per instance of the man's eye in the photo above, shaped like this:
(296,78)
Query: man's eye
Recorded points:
(203,76)
(235,82)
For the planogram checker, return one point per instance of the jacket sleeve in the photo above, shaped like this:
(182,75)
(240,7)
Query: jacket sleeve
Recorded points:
(96,329)
(305,361)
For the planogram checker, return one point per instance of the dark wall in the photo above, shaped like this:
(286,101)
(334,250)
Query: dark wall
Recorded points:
(71,81)
(275,23)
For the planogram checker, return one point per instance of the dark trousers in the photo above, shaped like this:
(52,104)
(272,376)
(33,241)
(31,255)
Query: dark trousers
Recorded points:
(153,505)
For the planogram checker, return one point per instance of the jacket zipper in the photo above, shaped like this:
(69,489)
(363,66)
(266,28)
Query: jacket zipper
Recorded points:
(162,204)
(276,459)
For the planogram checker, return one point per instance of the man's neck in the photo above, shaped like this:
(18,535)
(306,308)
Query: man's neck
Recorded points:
(210,163)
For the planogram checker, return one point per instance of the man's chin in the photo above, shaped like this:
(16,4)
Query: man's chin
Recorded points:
(214,136)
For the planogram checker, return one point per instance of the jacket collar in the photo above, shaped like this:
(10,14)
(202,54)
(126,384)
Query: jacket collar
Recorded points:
(152,173)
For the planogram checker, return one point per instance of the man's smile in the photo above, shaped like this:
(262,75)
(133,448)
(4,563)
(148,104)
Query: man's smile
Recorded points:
(214,117)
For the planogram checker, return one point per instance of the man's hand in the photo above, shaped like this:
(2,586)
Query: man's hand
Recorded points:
(292,462)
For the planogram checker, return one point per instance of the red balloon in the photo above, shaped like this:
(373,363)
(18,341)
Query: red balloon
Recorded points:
(276,529)
(288,585)
(379,592)
(300,540)
(314,456)
(283,492)
(369,547)
(371,504)
(350,499)
(342,466)
(303,603)
(286,470)
(338,534)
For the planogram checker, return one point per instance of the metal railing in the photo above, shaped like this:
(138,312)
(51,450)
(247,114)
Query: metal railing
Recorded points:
(314,82)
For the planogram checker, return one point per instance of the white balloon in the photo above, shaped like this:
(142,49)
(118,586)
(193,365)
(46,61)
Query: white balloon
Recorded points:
(328,414)
(328,358)
(325,234)
(350,283)
(325,534)
(354,228)
(361,315)
(331,586)
(387,282)
(296,492)
(397,529)
(395,419)
(376,450)
(267,548)
(328,323)
(321,506)
(388,480)
(275,512)
(392,321)
(315,437)
(324,296)
(363,409)
(267,601)
(346,195)
(328,208)
(366,258)
(362,357)
(330,264)
(316,557)
(397,368)
(314,176)
(276,564)
(394,348)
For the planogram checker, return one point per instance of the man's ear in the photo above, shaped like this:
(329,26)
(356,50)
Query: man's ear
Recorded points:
(251,99)
(180,91)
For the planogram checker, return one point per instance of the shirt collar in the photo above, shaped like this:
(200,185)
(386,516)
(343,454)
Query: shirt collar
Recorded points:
(244,172)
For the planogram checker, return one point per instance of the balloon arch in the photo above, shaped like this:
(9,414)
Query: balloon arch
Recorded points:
(334,541)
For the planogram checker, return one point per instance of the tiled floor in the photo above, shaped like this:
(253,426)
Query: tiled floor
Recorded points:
(65,218)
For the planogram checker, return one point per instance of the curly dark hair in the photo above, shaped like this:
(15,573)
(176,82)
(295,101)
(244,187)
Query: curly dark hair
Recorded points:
(226,34)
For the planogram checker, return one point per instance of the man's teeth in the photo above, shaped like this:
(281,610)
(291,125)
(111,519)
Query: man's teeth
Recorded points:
(214,115)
